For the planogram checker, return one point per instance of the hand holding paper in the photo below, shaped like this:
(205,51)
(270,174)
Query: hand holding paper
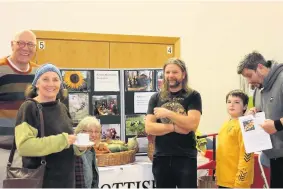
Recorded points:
(255,138)
(268,126)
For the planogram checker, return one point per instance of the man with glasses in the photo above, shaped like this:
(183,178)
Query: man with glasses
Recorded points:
(16,72)
(269,76)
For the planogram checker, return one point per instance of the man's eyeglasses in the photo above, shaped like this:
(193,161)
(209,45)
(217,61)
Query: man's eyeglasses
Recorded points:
(22,44)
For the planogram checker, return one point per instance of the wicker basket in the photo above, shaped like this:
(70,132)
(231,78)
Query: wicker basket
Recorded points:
(118,158)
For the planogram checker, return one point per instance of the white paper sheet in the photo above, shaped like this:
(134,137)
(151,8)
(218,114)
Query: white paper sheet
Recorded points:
(141,100)
(143,144)
(106,81)
(255,138)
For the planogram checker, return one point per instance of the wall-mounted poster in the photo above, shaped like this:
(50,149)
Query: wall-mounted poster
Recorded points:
(135,125)
(159,79)
(139,80)
(78,106)
(111,131)
(76,81)
(106,81)
(141,100)
(105,105)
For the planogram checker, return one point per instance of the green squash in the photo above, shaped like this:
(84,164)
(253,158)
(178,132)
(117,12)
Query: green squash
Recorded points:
(132,143)
(117,148)
(114,148)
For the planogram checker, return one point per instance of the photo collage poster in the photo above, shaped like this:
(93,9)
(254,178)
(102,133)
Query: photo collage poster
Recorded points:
(96,93)
(140,85)
(105,102)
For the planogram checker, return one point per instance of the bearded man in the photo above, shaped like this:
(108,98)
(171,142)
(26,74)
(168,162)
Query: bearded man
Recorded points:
(173,117)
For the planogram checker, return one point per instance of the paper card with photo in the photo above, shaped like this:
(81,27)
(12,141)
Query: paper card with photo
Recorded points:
(111,131)
(159,79)
(76,80)
(252,131)
(105,105)
(139,80)
(78,106)
(135,125)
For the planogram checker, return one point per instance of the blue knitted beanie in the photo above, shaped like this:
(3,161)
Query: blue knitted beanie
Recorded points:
(47,68)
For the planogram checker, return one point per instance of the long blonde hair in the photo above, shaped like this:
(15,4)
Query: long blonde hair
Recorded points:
(164,92)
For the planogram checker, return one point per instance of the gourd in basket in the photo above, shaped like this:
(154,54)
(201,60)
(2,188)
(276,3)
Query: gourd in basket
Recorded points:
(116,152)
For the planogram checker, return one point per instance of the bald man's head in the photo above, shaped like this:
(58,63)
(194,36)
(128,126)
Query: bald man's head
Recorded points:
(23,47)
(27,34)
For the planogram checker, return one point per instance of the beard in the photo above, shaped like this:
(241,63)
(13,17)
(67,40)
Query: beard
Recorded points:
(176,84)
(257,85)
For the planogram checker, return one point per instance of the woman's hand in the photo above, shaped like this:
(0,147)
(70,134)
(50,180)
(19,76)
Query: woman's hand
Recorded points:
(71,139)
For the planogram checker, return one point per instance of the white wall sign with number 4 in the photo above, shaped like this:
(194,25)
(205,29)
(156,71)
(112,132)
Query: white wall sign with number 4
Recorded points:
(41,45)
(169,50)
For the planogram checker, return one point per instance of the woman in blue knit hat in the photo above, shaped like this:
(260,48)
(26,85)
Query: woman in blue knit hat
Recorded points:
(56,146)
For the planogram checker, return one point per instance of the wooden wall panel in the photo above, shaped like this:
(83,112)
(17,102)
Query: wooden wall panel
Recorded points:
(73,53)
(139,55)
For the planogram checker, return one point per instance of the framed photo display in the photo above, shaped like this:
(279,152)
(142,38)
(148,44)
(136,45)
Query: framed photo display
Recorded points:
(139,80)
(76,80)
(159,79)
(112,131)
(78,106)
(105,105)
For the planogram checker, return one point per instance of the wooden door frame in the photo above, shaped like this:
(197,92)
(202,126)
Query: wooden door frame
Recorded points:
(80,36)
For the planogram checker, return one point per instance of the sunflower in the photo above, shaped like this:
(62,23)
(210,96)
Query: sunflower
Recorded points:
(74,79)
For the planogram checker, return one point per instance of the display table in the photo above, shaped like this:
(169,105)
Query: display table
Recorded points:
(135,175)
